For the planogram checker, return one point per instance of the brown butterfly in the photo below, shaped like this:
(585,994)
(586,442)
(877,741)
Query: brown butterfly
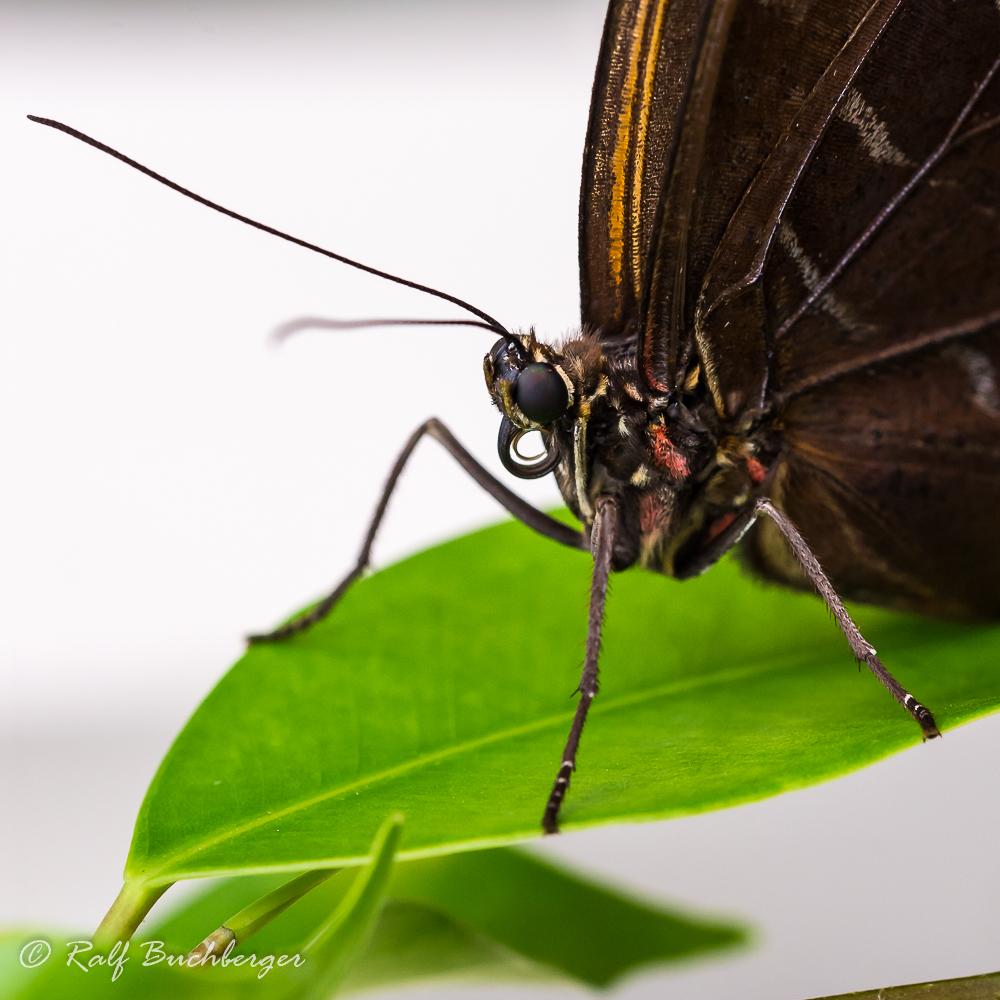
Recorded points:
(790,283)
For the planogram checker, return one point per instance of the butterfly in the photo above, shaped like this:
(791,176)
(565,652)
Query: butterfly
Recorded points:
(789,263)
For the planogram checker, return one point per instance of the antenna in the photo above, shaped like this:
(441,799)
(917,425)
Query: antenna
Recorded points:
(286,329)
(488,320)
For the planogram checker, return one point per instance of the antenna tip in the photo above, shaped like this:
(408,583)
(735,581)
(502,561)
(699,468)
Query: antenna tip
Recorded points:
(52,123)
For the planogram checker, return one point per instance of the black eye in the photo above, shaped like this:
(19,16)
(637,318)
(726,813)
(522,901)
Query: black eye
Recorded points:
(541,393)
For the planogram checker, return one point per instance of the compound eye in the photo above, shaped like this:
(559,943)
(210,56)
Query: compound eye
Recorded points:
(541,393)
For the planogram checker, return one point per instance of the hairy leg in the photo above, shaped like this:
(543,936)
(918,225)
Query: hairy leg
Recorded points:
(862,649)
(602,545)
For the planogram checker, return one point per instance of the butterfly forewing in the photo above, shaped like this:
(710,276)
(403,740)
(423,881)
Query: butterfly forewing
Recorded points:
(636,100)
(689,100)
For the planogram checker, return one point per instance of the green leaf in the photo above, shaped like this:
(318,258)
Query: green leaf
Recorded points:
(503,914)
(442,687)
(417,943)
(549,916)
(488,915)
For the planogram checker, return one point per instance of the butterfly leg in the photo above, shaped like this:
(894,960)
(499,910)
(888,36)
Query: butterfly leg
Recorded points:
(860,646)
(520,508)
(602,541)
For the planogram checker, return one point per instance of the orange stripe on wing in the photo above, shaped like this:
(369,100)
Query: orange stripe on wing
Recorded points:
(621,161)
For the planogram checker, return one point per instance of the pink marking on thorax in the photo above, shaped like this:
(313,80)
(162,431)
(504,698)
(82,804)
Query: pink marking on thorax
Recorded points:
(757,471)
(665,455)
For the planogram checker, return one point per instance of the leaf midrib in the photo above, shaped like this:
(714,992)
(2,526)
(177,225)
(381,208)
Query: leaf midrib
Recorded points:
(600,707)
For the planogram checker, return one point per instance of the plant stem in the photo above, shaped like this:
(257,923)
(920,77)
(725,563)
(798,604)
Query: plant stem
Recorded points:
(128,911)
(251,918)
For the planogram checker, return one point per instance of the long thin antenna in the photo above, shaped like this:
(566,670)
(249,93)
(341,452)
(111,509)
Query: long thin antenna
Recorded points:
(491,323)
(284,331)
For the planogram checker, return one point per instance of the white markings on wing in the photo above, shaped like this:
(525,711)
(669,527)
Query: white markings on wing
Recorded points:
(982,376)
(810,275)
(874,135)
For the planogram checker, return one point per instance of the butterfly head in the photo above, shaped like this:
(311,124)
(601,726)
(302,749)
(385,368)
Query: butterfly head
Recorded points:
(557,392)
(533,390)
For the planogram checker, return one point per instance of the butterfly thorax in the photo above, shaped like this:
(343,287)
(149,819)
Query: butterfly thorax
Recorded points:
(684,478)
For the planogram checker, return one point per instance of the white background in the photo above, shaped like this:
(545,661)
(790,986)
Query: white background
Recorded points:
(172,481)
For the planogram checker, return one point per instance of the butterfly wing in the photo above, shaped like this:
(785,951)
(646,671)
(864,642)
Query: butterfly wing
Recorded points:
(891,239)
(882,295)
(636,101)
(892,474)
